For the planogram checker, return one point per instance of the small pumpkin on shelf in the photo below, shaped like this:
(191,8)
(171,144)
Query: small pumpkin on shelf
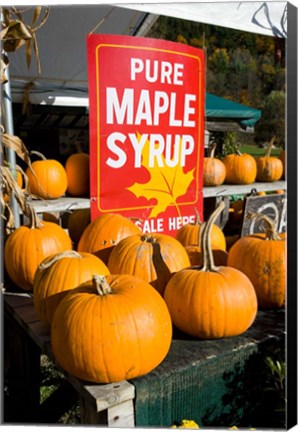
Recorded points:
(214,173)
(211,302)
(262,257)
(269,168)
(78,174)
(47,178)
(241,168)
(111,329)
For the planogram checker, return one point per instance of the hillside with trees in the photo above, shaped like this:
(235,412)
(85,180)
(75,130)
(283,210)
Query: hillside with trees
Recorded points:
(244,67)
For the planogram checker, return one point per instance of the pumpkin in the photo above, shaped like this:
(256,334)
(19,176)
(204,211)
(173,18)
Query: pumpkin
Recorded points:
(77,221)
(46,178)
(283,158)
(195,255)
(189,233)
(240,168)
(104,232)
(151,257)
(27,246)
(59,273)
(211,302)
(269,168)
(78,174)
(111,329)
(262,257)
(214,172)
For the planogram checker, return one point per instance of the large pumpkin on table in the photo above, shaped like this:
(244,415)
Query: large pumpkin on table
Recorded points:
(46,178)
(111,329)
(29,245)
(262,257)
(152,257)
(104,232)
(211,302)
(78,174)
(58,274)
(240,168)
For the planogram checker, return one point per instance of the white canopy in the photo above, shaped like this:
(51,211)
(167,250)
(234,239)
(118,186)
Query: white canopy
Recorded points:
(263,17)
(62,40)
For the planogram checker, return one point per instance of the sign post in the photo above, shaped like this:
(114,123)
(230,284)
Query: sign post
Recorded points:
(146,117)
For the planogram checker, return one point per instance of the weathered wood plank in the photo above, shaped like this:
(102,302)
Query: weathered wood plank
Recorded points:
(225,190)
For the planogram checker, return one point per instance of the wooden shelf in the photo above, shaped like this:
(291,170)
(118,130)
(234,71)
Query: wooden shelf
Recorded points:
(226,190)
(73,203)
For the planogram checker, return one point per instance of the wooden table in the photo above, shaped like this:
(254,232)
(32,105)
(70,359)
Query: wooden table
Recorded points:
(106,404)
(190,370)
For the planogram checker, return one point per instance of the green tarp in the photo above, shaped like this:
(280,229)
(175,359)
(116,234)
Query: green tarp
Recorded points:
(221,108)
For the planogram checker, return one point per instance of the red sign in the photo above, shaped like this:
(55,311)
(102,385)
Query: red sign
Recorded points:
(146,116)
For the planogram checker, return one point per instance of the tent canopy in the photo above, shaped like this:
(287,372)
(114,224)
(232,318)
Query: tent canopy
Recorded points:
(218,107)
(263,17)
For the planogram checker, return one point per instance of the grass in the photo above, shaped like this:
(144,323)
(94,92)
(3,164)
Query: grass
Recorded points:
(254,150)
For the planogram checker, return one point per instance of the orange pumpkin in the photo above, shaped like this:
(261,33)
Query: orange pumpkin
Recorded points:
(78,174)
(77,221)
(46,178)
(269,168)
(104,232)
(262,257)
(240,168)
(214,173)
(283,158)
(58,274)
(189,234)
(111,329)
(211,302)
(27,246)
(151,257)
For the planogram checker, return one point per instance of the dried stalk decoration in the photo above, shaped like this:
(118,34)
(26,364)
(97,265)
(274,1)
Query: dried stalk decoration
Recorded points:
(16,32)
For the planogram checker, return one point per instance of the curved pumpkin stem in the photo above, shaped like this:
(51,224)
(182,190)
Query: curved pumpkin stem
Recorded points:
(198,219)
(57,257)
(101,285)
(208,261)
(212,150)
(269,148)
(34,220)
(238,152)
(270,229)
(37,153)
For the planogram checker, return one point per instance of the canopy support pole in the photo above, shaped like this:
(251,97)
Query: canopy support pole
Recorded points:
(10,154)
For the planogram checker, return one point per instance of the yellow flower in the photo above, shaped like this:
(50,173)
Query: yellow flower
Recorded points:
(187,424)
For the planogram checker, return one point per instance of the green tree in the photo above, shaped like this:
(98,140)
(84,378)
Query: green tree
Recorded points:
(272,121)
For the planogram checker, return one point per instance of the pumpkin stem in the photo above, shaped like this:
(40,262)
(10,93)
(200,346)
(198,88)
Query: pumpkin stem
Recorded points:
(270,228)
(269,148)
(37,153)
(238,152)
(34,220)
(57,257)
(148,238)
(198,219)
(201,234)
(101,285)
(212,150)
(208,261)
